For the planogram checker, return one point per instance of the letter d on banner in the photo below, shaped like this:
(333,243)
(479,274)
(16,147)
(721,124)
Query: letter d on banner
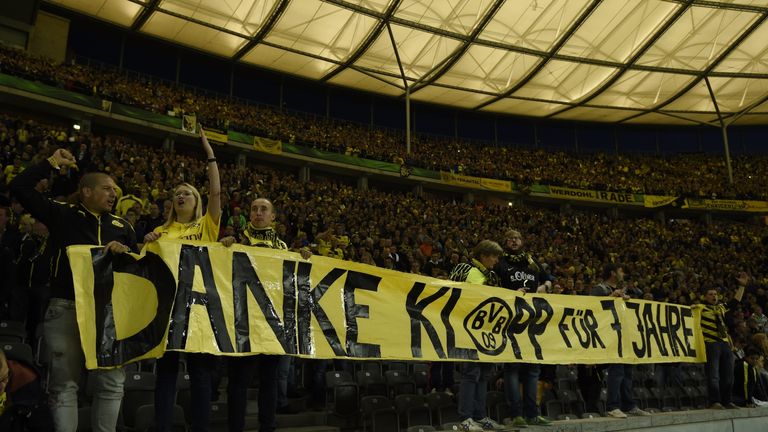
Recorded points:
(127,313)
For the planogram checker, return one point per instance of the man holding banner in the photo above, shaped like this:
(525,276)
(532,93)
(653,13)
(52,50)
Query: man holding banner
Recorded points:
(259,233)
(518,270)
(620,401)
(473,386)
(720,357)
(88,223)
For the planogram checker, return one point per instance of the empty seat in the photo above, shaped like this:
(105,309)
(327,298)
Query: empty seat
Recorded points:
(413,410)
(398,382)
(443,409)
(12,331)
(371,384)
(139,390)
(378,414)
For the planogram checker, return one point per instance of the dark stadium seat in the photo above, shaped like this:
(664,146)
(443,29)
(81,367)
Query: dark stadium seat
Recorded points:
(412,410)
(572,401)
(145,419)
(378,414)
(554,409)
(20,350)
(139,390)
(398,382)
(497,406)
(12,331)
(420,378)
(333,379)
(444,410)
(371,383)
(345,399)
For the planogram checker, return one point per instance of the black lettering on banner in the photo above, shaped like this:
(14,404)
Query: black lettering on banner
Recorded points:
(687,312)
(416,314)
(454,352)
(640,350)
(537,327)
(584,319)
(526,318)
(518,324)
(673,325)
(245,279)
(654,329)
(562,327)
(616,325)
(109,350)
(353,311)
(189,258)
(487,325)
(309,304)
(289,306)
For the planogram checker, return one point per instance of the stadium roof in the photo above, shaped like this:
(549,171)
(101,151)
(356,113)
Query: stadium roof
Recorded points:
(630,61)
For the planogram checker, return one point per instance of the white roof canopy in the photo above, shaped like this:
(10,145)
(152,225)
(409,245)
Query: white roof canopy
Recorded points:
(630,61)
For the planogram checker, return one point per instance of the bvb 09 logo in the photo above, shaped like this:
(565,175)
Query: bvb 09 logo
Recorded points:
(487,325)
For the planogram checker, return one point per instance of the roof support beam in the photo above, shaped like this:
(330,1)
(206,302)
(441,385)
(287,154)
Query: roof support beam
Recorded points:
(407,92)
(144,15)
(363,47)
(551,54)
(277,12)
(632,60)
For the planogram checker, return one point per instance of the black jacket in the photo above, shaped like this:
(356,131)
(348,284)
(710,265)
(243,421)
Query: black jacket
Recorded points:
(520,271)
(68,225)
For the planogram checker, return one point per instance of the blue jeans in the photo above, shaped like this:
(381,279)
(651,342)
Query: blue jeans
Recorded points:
(620,388)
(62,338)
(200,368)
(528,375)
(719,372)
(241,371)
(473,390)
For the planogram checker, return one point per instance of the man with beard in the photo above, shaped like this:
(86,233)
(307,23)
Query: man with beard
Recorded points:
(518,270)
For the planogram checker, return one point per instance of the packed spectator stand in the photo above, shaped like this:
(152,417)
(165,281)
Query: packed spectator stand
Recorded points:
(659,175)
(672,262)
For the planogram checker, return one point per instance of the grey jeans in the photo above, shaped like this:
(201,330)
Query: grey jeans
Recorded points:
(67,364)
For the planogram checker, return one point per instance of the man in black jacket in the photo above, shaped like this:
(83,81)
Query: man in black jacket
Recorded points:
(518,270)
(87,223)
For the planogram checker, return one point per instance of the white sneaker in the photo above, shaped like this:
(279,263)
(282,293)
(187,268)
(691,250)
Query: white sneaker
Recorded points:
(488,424)
(617,413)
(470,425)
(448,392)
(638,412)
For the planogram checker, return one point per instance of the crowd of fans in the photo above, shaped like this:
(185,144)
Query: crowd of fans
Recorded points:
(674,262)
(680,175)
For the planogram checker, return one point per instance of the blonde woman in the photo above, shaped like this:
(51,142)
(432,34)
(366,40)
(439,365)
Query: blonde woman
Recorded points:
(186,221)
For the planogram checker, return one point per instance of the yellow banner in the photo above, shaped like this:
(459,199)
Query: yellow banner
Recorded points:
(593,196)
(218,136)
(726,205)
(243,300)
(476,182)
(652,201)
(267,145)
